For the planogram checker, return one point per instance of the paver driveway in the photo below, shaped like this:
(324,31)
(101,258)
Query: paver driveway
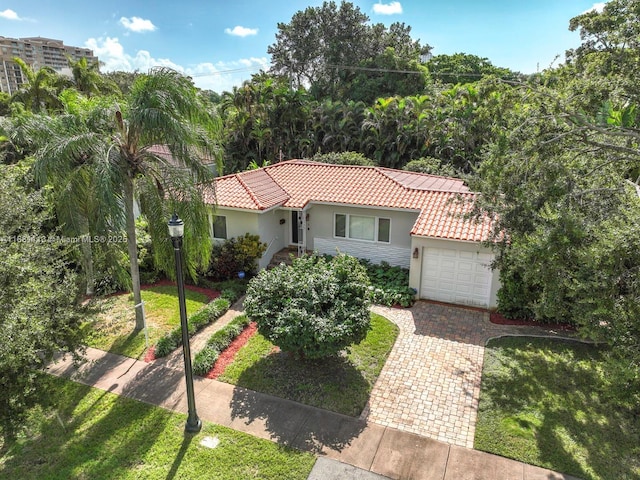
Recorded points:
(430,384)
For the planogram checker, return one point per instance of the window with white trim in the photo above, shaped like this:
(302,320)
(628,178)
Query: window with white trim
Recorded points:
(361,227)
(219,227)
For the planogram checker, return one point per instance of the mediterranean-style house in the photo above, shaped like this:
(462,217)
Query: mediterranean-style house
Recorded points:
(404,218)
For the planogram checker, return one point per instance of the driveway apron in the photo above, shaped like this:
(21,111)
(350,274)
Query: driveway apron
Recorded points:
(430,384)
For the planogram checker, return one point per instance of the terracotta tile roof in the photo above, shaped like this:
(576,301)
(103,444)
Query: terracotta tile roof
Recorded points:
(164,152)
(297,183)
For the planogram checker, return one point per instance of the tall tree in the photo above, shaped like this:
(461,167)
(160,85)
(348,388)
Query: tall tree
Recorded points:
(323,47)
(87,78)
(116,143)
(38,296)
(562,180)
(41,89)
(466,68)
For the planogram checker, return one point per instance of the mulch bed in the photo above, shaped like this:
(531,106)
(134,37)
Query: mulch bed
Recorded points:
(210,294)
(500,319)
(229,353)
(150,354)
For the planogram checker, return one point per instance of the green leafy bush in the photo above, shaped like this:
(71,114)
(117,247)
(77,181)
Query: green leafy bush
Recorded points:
(432,166)
(389,284)
(343,158)
(148,272)
(239,254)
(314,308)
(206,358)
(207,314)
(232,289)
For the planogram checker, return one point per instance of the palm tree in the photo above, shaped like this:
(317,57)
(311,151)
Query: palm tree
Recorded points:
(87,78)
(118,146)
(41,89)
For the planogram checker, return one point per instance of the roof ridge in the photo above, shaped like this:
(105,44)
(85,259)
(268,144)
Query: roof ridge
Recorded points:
(249,191)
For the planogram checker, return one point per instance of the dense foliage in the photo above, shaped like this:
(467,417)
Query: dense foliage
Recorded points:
(563,182)
(337,53)
(38,295)
(99,155)
(389,284)
(314,308)
(235,255)
(265,122)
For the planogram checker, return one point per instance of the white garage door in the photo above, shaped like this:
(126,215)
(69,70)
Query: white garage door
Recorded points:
(455,276)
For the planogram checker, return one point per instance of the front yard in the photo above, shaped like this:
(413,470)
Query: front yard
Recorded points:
(111,324)
(341,384)
(86,433)
(545,402)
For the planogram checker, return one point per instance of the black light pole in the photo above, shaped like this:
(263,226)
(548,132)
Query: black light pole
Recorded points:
(176,231)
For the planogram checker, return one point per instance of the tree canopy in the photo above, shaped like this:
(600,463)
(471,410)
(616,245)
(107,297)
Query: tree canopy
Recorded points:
(327,48)
(114,145)
(38,296)
(562,180)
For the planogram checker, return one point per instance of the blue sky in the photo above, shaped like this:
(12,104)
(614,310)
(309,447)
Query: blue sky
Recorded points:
(221,43)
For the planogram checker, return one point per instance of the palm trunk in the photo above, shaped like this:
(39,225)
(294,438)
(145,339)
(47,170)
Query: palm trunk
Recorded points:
(130,226)
(87,260)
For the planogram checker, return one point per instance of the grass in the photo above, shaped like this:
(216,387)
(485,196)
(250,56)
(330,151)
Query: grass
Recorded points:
(111,326)
(87,433)
(340,384)
(545,402)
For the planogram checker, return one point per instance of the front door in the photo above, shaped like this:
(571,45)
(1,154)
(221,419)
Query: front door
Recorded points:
(295,232)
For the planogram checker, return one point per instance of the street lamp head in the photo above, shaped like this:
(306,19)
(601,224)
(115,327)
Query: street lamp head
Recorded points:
(176,226)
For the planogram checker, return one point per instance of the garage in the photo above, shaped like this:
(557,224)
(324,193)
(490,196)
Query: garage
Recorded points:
(459,276)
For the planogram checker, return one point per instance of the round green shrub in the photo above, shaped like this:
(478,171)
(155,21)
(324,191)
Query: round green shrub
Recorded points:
(314,308)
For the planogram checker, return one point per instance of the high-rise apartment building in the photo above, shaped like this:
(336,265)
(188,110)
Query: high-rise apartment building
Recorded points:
(37,52)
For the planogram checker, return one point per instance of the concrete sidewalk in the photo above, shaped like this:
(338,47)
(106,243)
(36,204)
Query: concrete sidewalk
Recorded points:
(376,451)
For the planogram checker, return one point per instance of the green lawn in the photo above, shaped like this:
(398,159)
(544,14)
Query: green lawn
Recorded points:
(87,433)
(545,402)
(111,324)
(338,384)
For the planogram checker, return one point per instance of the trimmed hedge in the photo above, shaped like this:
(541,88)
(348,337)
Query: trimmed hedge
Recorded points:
(206,315)
(206,358)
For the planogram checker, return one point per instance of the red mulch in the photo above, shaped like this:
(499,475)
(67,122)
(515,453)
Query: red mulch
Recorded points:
(211,294)
(499,319)
(229,353)
(150,354)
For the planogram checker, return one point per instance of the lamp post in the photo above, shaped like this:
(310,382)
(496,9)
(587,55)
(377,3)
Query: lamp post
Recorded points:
(176,231)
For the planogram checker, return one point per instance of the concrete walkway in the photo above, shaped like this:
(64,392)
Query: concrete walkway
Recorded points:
(199,340)
(374,450)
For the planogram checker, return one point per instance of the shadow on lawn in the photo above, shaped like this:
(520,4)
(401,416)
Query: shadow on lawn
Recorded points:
(90,436)
(332,384)
(565,389)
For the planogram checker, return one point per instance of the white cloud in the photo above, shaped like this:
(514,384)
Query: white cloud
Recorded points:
(137,24)
(223,76)
(596,7)
(9,15)
(218,76)
(239,31)
(392,8)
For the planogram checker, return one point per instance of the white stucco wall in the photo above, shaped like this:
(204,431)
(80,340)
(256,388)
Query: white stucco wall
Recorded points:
(273,233)
(398,252)
(265,224)
(415,269)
